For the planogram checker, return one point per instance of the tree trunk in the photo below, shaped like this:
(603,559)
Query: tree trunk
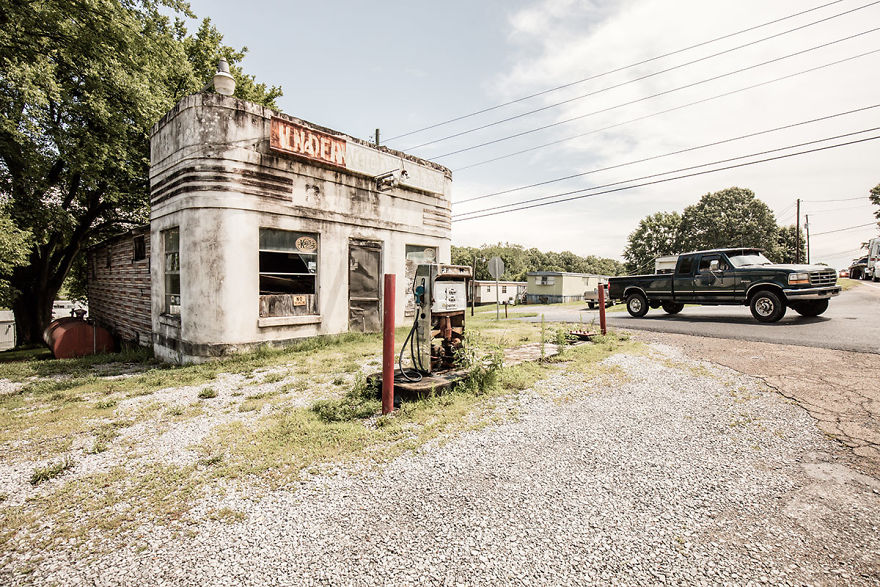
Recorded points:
(33,312)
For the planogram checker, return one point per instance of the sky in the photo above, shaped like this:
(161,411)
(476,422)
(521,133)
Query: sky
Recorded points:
(401,66)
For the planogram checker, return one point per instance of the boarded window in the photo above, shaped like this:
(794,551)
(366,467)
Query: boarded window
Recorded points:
(171,240)
(140,249)
(288,273)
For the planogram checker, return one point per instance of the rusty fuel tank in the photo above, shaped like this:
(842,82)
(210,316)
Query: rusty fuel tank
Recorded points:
(74,337)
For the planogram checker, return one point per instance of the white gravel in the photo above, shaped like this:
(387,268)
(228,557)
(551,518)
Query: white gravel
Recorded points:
(684,473)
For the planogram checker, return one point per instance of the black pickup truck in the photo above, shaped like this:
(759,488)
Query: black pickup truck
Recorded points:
(742,277)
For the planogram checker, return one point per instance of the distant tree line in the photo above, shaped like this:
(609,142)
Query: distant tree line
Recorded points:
(518,261)
(733,217)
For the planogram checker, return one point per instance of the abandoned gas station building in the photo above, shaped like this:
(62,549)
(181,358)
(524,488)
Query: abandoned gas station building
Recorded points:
(263,229)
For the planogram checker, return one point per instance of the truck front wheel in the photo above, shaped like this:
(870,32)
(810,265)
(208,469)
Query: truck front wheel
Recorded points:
(636,305)
(767,306)
(672,307)
(810,307)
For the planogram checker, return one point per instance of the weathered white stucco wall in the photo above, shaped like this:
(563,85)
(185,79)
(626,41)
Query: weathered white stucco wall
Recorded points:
(214,176)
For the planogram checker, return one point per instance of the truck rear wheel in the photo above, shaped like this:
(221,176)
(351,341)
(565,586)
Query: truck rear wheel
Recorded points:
(672,307)
(810,307)
(767,306)
(636,305)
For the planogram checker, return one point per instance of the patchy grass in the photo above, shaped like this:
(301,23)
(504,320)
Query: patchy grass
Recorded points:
(227,515)
(51,470)
(847,284)
(35,353)
(273,447)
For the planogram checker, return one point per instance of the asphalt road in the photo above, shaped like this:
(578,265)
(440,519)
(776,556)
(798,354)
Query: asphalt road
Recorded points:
(851,323)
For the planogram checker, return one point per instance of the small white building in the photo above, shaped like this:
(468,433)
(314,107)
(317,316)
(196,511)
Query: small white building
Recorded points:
(508,292)
(7,330)
(265,228)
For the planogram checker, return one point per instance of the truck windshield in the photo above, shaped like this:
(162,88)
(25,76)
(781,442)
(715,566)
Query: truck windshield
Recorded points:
(749,259)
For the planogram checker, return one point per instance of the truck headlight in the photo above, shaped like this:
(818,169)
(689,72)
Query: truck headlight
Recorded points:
(798,279)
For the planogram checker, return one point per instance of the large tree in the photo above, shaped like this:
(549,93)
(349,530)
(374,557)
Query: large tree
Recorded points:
(874,196)
(656,235)
(787,243)
(13,253)
(81,84)
(733,217)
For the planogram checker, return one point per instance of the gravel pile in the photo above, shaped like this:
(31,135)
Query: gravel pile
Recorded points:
(683,473)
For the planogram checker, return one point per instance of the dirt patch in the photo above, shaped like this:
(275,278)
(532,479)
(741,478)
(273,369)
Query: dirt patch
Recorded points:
(838,388)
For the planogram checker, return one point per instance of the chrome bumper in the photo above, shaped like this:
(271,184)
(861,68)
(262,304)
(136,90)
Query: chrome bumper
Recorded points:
(812,293)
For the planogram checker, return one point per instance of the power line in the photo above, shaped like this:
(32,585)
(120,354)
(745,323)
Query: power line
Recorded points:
(654,157)
(679,177)
(860,206)
(679,170)
(651,96)
(639,78)
(837,200)
(843,229)
(622,68)
(846,252)
(681,107)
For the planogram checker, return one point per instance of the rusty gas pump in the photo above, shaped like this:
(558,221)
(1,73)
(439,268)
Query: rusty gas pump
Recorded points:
(440,293)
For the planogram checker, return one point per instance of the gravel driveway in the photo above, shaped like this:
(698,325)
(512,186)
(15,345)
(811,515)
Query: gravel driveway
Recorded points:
(681,472)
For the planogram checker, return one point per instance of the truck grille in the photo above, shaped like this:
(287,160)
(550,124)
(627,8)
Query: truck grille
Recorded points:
(824,277)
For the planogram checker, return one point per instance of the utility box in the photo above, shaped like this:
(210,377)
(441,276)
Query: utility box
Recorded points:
(440,293)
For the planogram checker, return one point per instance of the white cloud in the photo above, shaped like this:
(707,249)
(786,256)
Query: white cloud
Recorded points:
(564,40)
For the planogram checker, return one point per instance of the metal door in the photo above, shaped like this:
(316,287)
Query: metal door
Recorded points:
(364,286)
(714,286)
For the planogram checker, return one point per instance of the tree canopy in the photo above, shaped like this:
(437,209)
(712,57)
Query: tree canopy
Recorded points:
(874,196)
(518,261)
(81,84)
(13,253)
(656,235)
(733,217)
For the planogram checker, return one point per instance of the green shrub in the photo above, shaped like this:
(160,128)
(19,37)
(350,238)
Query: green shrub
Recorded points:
(481,359)
(207,393)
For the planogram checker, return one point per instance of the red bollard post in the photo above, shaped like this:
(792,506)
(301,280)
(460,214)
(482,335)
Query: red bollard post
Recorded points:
(388,345)
(602,308)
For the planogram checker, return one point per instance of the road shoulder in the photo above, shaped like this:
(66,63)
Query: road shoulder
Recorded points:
(837,388)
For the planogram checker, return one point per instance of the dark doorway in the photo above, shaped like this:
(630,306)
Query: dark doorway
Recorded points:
(364,286)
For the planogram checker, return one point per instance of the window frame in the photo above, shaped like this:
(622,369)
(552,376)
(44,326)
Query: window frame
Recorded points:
(316,255)
(134,248)
(167,305)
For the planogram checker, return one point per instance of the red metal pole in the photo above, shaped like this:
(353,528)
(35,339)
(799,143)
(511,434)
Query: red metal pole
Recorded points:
(388,345)
(602,307)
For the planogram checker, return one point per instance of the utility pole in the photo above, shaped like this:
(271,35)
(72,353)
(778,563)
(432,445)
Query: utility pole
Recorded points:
(797,237)
(807,226)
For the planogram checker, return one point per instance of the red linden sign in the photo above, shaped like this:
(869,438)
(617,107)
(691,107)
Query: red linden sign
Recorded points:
(305,142)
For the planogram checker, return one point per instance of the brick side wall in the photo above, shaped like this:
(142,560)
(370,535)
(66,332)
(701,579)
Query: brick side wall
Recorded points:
(119,294)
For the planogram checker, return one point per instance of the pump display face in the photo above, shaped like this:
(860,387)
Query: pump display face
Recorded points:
(449,296)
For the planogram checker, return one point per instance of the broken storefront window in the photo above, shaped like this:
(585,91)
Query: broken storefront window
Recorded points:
(288,273)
